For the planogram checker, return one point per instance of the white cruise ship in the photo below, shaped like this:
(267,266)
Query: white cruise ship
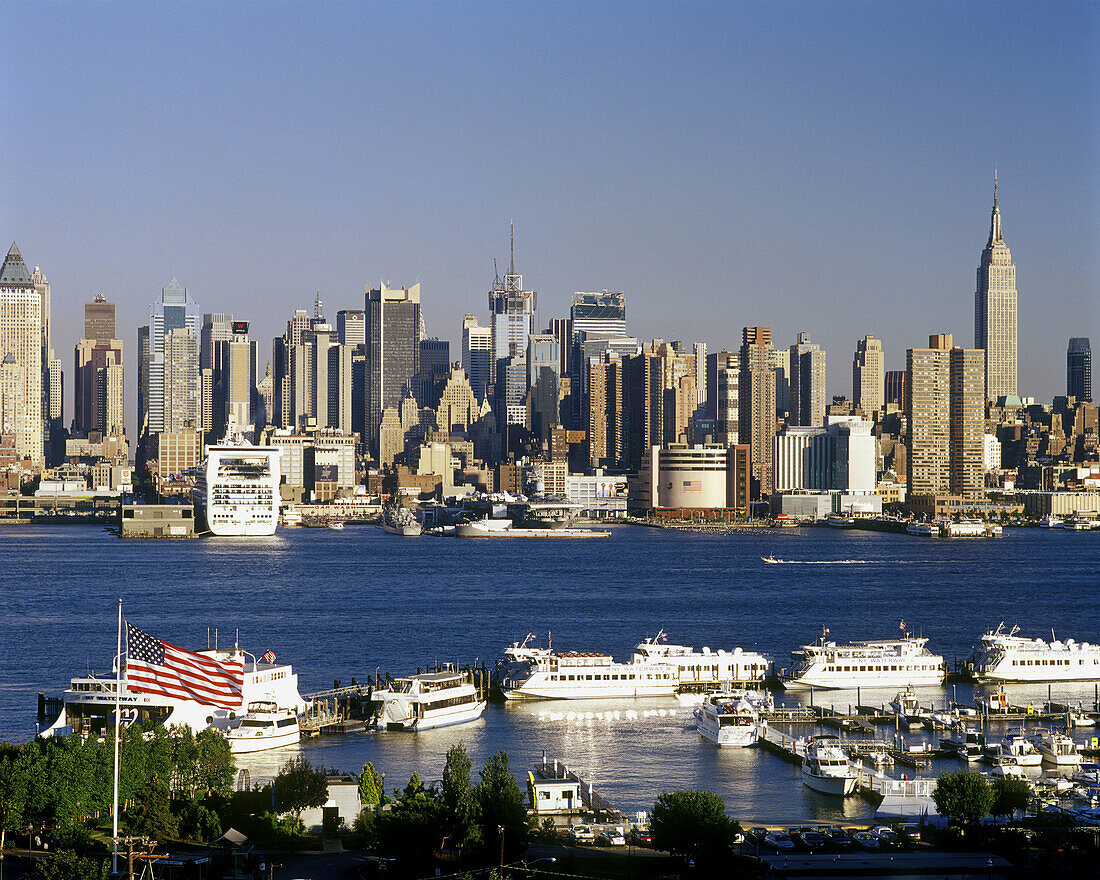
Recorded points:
(1005,656)
(89,703)
(717,668)
(433,699)
(540,674)
(888,663)
(237,490)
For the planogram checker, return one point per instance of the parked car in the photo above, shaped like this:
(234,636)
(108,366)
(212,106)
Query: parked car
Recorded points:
(611,837)
(887,835)
(865,840)
(811,840)
(582,834)
(780,841)
(758,833)
(838,838)
(909,831)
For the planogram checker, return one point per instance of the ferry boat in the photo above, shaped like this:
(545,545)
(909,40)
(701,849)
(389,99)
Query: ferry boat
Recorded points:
(964,528)
(922,529)
(728,719)
(1050,521)
(1075,522)
(236,491)
(432,699)
(88,706)
(904,662)
(706,667)
(1056,748)
(265,726)
(1005,656)
(839,521)
(541,674)
(292,518)
(826,769)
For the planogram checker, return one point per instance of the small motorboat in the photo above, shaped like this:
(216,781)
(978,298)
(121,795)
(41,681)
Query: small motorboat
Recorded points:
(770,560)
(265,726)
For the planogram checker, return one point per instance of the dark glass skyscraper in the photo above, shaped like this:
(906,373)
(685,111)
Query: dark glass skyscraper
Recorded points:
(393,351)
(1079,369)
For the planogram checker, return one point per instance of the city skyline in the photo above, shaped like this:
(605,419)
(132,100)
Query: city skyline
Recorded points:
(880,205)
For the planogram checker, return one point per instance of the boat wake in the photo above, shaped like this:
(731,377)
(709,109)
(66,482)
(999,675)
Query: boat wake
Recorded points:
(771,560)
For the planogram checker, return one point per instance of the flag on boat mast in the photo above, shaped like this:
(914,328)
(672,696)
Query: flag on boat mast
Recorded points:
(268,657)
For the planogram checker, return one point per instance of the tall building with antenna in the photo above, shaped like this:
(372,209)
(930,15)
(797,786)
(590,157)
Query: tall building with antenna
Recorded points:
(512,321)
(995,310)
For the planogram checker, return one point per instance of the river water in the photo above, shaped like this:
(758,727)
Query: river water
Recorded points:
(349,603)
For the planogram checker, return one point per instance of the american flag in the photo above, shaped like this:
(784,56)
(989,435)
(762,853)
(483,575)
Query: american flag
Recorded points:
(269,657)
(901,625)
(156,667)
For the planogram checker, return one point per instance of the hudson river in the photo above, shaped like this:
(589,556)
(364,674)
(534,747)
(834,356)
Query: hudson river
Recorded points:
(343,604)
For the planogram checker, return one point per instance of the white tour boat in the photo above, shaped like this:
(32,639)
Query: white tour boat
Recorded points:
(483,528)
(1050,521)
(88,706)
(292,518)
(903,662)
(719,668)
(922,529)
(540,674)
(236,491)
(264,726)
(729,719)
(432,699)
(1056,748)
(825,767)
(1005,656)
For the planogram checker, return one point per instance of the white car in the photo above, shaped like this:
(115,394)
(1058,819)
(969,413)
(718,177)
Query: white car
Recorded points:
(582,834)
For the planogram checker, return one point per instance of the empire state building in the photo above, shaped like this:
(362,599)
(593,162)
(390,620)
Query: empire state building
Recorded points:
(995,310)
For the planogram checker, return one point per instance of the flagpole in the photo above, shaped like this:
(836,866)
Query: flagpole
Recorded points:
(118,719)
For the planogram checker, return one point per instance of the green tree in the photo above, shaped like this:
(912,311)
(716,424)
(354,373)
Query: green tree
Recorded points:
(152,815)
(411,828)
(964,796)
(14,793)
(299,785)
(67,865)
(459,801)
(692,823)
(216,766)
(370,786)
(1010,796)
(502,806)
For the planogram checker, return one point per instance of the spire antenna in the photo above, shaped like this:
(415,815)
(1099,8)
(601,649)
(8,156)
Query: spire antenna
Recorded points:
(994,186)
(513,223)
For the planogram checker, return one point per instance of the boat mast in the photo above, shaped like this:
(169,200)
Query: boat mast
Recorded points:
(118,720)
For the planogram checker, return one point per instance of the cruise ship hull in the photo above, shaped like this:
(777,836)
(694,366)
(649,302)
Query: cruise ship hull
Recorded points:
(825,681)
(628,691)
(236,493)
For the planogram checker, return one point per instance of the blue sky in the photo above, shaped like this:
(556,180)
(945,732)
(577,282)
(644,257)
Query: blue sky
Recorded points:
(822,167)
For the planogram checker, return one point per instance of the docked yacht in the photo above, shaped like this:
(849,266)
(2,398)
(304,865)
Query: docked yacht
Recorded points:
(1050,521)
(839,521)
(264,726)
(907,707)
(729,719)
(719,668)
(826,769)
(1015,748)
(922,529)
(1056,748)
(1005,656)
(88,706)
(1077,523)
(533,673)
(966,744)
(432,699)
(904,662)
(236,490)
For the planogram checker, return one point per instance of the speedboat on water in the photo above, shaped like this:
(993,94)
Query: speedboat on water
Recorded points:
(427,700)
(826,768)
(771,560)
(264,726)
(1056,748)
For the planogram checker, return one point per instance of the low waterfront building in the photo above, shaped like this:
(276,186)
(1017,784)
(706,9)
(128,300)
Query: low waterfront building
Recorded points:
(686,478)
(1040,504)
(818,505)
(157,521)
(600,496)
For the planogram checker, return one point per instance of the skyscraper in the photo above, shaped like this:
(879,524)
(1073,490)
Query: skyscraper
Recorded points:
(946,416)
(165,400)
(869,376)
(756,403)
(435,367)
(512,316)
(95,405)
(807,382)
(995,310)
(723,387)
(21,399)
(351,327)
(477,355)
(393,351)
(592,317)
(543,364)
(1079,369)
(234,379)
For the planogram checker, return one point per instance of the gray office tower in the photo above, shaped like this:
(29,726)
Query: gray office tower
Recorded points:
(393,351)
(1079,369)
